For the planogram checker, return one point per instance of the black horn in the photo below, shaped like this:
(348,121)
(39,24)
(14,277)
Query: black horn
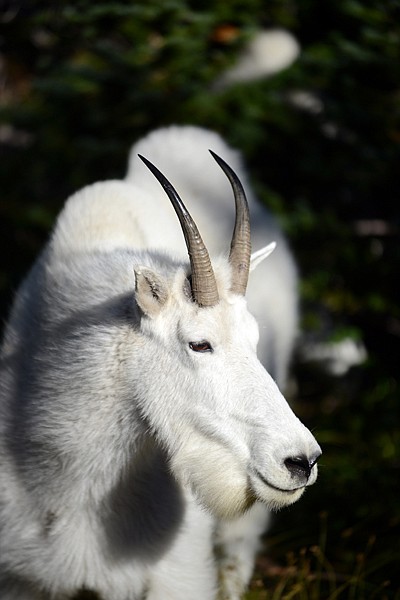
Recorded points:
(204,285)
(240,252)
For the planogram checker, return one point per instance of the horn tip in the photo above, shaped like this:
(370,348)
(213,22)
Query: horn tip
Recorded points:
(217,158)
(146,161)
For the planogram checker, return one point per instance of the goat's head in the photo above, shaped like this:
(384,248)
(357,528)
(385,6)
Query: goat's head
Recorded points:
(230,434)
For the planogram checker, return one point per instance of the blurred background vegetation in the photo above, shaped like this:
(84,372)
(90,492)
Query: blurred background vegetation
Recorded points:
(81,80)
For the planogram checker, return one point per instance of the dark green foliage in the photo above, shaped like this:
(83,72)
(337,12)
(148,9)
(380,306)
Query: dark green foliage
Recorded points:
(82,80)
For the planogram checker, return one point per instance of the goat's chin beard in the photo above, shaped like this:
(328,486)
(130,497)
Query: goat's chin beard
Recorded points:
(230,504)
(218,483)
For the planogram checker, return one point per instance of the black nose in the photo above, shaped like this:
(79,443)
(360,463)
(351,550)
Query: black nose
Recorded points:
(300,466)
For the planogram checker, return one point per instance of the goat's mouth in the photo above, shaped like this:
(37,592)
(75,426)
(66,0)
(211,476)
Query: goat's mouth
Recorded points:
(274,487)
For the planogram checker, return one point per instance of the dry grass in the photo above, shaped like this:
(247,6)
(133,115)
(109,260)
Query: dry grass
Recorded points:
(308,574)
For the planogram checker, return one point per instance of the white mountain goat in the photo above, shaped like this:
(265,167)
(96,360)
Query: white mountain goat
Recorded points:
(136,419)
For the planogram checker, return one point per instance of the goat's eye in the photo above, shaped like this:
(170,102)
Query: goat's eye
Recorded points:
(203,346)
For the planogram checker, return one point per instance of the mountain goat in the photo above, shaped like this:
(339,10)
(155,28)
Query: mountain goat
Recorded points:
(136,421)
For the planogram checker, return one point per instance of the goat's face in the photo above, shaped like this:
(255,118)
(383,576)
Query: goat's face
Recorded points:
(230,434)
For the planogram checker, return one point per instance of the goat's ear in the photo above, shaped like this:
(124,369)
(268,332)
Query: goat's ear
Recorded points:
(257,257)
(151,291)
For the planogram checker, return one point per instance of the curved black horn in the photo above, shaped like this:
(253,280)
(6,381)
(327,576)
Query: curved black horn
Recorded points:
(204,285)
(240,252)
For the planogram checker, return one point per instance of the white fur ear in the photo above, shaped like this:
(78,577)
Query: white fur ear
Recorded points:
(259,256)
(151,291)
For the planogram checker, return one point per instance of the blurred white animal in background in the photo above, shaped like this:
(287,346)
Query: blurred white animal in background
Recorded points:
(267,53)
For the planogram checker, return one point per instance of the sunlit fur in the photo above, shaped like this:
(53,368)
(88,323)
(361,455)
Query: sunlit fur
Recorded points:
(127,459)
